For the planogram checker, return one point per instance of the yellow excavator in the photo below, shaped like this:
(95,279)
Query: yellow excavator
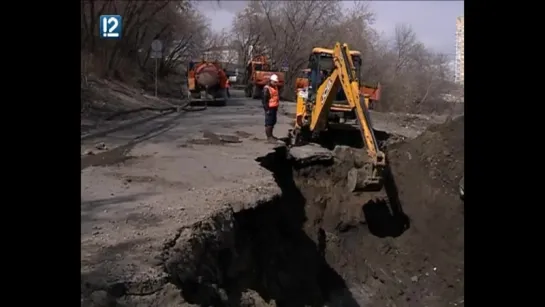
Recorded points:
(334,78)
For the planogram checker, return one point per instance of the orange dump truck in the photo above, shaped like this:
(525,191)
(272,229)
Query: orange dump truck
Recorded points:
(258,72)
(206,82)
(302,79)
(373,92)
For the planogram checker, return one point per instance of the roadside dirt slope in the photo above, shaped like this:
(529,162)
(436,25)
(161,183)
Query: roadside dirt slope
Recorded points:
(427,171)
(107,103)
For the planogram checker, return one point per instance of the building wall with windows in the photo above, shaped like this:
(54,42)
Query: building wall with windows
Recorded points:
(459,61)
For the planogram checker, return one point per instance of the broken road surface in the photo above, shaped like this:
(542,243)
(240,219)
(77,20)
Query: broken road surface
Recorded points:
(175,179)
(142,204)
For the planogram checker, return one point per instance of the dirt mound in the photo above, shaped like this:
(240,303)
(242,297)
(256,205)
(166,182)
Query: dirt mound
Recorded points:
(103,99)
(436,156)
(427,171)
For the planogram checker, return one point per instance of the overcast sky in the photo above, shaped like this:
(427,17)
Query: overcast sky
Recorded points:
(433,21)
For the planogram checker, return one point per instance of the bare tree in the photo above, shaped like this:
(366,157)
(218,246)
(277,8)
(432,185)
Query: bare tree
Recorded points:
(411,75)
(283,31)
(181,28)
(247,31)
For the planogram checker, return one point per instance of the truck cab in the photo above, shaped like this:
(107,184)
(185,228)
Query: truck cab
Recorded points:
(258,72)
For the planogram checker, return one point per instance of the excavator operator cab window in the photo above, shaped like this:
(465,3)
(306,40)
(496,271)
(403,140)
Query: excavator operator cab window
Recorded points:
(313,73)
(357,64)
(320,65)
(303,74)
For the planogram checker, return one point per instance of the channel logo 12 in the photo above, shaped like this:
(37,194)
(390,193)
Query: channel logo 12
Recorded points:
(111,26)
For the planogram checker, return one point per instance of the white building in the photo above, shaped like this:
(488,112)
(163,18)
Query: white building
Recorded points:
(227,57)
(459,60)
(223,55)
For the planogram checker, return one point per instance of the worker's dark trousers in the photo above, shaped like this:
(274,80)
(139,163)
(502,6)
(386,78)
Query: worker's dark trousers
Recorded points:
(270,122)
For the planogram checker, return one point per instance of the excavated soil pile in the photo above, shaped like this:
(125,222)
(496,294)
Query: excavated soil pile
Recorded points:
(428,258)
(402,246)
(408,255)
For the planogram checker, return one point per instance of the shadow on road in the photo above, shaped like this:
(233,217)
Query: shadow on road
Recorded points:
(97,203)
(273,258)
(387,218)
(92,208)
(120,154)
(291,267)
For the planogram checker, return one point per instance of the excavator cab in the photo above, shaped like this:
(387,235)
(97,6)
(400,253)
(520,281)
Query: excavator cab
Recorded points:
(321,65)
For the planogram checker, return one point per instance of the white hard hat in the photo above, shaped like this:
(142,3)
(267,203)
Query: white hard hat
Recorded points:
(274,78)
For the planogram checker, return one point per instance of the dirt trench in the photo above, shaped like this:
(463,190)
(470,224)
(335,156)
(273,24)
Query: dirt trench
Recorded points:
(316,245)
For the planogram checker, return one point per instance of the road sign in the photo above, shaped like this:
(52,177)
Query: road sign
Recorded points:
(285,66)
(156,54)
(157,45)
(111,26)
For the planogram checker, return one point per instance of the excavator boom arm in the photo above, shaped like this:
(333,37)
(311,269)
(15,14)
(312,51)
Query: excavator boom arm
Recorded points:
(344,75)
(324,100)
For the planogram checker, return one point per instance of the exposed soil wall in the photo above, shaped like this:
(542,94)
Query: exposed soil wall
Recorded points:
(317,245)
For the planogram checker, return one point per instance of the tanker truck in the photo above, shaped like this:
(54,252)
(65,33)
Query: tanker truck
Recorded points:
(206,82)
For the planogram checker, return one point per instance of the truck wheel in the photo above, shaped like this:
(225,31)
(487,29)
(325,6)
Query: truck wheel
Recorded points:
(248,91)
(255,92)
(224,96)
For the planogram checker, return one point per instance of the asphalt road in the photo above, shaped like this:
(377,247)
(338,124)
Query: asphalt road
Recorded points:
(170,177)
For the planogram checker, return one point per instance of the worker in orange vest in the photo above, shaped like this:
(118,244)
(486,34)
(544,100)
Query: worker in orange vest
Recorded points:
(271,101)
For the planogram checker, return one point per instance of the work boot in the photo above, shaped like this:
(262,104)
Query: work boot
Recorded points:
(276,140)
(272,134)
(268,133)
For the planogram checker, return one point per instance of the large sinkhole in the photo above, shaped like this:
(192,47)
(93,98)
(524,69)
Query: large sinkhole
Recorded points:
(318,245)
(313,246)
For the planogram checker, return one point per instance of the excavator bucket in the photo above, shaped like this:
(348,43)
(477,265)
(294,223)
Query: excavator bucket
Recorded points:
(332,72)
(310,154)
